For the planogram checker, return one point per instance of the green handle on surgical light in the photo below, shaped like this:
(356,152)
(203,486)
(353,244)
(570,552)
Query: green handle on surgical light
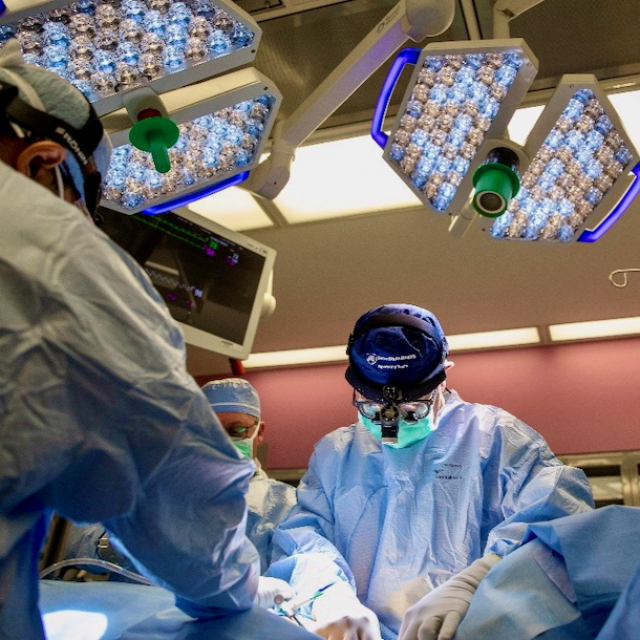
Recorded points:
(155,135)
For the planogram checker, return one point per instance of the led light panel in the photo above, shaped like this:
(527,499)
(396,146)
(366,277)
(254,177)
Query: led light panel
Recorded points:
(220,138)
(461,96)
(580,160)
(105,47)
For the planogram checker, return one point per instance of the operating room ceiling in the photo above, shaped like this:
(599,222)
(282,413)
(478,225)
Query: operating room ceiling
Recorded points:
(328,272)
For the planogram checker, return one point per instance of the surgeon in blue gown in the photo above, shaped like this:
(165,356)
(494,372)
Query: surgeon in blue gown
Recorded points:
(407,526)
(237,404)
(99,419)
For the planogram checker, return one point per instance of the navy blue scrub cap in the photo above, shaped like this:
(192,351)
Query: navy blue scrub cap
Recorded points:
(396,345)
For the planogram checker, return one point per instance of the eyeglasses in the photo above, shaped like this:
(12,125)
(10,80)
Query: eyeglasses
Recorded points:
(409,411)
(239,430)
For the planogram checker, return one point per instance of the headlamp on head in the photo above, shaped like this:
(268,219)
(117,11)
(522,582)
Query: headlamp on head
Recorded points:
(81,143)
(396,358)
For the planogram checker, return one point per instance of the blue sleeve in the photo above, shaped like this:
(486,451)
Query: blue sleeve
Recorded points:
(103,422)
(534,485)
(624,620)
(303,551)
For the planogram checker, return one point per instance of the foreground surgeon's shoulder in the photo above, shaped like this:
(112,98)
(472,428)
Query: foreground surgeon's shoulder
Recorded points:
(99,420)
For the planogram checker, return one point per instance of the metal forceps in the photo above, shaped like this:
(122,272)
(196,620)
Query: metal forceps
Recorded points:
(291,610)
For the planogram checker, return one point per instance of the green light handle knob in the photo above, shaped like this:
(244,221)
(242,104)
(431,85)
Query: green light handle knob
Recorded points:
(155,135)
(495,184)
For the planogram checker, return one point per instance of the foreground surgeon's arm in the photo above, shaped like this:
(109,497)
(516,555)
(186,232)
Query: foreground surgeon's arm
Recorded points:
(100,420)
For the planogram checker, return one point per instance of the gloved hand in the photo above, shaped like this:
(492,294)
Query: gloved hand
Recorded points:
(349,628)
(438,614)
(269,588)
(339,615)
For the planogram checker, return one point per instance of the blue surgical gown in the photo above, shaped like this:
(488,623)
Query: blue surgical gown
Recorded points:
(100,421)
(564,582)
(398,522)
(268,502)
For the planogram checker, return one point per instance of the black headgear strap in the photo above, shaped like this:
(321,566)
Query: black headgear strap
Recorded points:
(375,391)
(81,142)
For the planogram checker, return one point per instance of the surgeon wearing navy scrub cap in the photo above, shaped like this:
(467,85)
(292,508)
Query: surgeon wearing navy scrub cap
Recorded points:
(407,509)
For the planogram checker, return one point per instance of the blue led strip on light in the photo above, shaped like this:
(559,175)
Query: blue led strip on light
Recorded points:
(183,201)
(616,212)
(454,102)
(210,149)
(405,57)
(104,46)
(579,162)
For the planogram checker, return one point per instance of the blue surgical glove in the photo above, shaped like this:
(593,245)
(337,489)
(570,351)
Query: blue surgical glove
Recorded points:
(269,588)
(438,614)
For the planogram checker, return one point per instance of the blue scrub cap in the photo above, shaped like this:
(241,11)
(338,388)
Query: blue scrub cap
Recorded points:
(397,345)
(48,92)
(233,394)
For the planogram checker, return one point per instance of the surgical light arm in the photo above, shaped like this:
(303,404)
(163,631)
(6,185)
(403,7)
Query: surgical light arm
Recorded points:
(506,10)
(410,19)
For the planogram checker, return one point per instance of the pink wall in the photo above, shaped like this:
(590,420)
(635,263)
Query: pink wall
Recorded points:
(583,398)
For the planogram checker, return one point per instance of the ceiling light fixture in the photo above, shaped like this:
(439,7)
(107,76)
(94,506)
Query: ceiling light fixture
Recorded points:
(596,329)
(494,339)
(449,144)
(336,354)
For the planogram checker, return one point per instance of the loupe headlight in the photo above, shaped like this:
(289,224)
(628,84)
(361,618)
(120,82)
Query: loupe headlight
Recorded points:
(389,412)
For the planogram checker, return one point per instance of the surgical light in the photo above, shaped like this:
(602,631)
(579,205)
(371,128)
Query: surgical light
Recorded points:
(450,145)
(106,47)
(221,139)
(580,157)
(459,101)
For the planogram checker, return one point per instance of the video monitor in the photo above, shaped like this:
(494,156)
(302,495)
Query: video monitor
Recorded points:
(213,279)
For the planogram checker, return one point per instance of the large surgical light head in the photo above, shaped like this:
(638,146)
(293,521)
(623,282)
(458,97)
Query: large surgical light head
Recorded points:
(172,145)
(105,47)
(459,101)
(220,139)
(449,144)
(396,356)
(578,157)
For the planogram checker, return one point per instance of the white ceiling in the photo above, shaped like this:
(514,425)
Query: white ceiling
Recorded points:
(328,272)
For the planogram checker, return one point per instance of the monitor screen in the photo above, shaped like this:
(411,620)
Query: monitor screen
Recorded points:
(213,280)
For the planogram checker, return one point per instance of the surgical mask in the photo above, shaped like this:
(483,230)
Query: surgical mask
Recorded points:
(408,432)
(245,445)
